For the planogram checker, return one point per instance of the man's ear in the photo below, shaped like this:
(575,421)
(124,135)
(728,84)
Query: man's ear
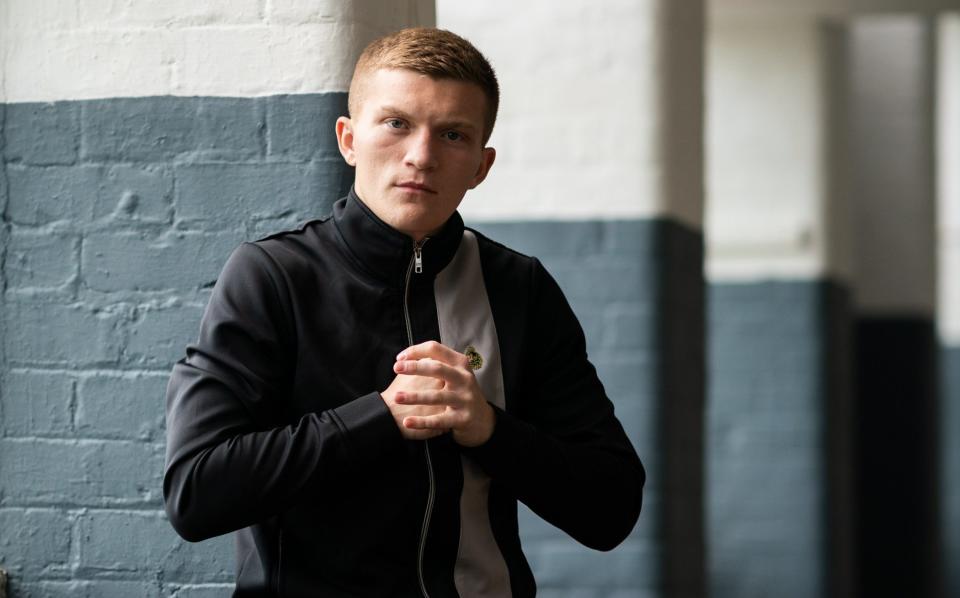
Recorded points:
(487,157)
(345,139)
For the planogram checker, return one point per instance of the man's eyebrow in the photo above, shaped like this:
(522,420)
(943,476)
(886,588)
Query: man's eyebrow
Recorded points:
(450,124)
(395,111)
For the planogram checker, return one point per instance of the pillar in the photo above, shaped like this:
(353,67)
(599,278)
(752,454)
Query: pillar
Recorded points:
(948,277)
(779,397)
(599,173)
(891,129)
(141,142)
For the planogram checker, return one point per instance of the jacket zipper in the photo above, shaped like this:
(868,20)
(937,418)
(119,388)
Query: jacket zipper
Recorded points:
(416,265)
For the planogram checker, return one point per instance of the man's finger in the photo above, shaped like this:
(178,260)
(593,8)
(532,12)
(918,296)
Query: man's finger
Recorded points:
(443,421)
(429,397)
(434,350)
(430,367)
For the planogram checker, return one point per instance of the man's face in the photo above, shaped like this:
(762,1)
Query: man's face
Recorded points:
(417,145)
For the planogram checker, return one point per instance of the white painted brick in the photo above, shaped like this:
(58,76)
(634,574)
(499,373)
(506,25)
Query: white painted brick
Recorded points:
(392,14)
(949,289)
(43,15)
(289,12)
(892,167)
(583,108)
(948,184)
(169,13)
(80,64)
(68,49)
(48,15)
(765,172)
(262,60)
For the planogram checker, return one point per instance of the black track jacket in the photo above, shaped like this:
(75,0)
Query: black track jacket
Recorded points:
(276,429)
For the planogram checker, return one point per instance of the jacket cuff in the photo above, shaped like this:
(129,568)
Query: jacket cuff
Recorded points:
(510,436)
(368,428)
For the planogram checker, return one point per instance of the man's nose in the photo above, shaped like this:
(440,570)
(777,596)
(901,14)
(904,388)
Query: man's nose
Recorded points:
(421,151)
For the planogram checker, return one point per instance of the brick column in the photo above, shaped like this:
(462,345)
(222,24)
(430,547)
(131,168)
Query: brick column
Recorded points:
(893,192)
(599,173)
(140,144)
(948,283)
(779,456)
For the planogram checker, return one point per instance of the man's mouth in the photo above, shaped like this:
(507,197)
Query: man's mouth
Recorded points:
(415,186)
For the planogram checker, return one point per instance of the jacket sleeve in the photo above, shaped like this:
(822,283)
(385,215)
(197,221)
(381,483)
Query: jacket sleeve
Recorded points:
(560,449)
(233,458)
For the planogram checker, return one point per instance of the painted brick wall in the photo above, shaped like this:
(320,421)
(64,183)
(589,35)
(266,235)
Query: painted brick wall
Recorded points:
(778,439)
(950,466)
(118,215)
(637,289)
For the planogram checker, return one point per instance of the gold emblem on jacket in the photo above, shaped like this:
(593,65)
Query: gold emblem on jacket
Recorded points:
(476,360)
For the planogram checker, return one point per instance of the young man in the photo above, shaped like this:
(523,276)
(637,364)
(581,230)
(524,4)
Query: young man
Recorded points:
(372,393)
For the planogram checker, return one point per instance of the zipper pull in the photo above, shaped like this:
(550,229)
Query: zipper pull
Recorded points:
(417,259)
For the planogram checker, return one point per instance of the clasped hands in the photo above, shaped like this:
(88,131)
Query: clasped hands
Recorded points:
(434,392)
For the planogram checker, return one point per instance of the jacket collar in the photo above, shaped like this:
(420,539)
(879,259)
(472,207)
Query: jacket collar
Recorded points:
(386,252)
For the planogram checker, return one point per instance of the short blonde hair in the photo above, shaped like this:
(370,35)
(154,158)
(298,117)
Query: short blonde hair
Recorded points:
(436,53)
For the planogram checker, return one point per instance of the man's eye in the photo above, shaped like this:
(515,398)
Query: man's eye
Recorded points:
(395,123)
(453,136)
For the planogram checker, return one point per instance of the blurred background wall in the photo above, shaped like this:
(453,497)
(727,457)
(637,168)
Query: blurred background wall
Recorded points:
(753,206)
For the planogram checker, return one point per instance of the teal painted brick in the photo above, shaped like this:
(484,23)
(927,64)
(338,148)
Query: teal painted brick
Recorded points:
(601,283)
(625,375)
(143,542)
(160,129)
(950,455)
(212,590)
(49,333)
(36,403)
(645,593)
(301,127)
(568,593)
(159,333)
(79,472)
(767,444)
(154,334)
(565,564)
(42,133)
(34,541)
(264,227)
(41,259)
(540,238)
(103,588)
(135,192)
(641,239)
(587,592)
(629,326)
(89,192)
(122,406)
(230,195)
(142,262)
(38,195)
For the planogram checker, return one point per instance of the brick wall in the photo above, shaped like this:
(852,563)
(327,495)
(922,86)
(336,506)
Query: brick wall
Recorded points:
(637,289)
(950,466)
(119,212)
(779,439)
(118,216)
